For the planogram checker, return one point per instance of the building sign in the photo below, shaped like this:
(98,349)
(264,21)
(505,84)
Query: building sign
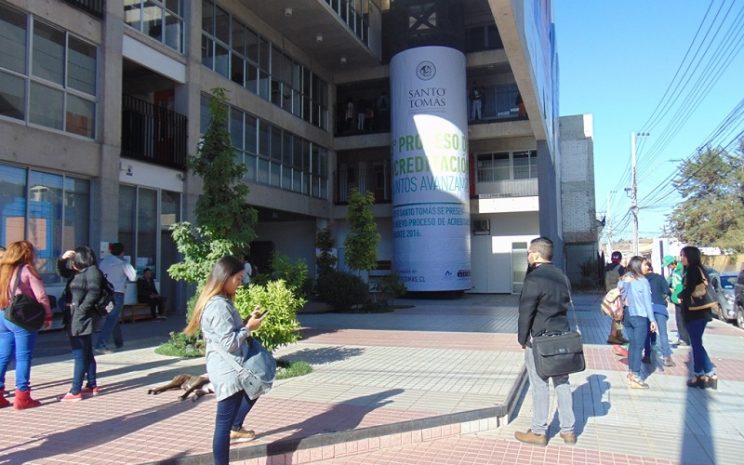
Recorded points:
(431,203)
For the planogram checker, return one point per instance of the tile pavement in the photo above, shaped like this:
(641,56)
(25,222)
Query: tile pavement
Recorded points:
(421,364)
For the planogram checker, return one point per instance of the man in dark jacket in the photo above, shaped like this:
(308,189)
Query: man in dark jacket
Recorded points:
(543,306)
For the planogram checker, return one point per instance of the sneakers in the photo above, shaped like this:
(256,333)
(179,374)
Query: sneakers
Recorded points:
(668,362)
(103,351)
(568,438)
(529,437)
(636,382)
(90,391)
(70,397)
(242,435)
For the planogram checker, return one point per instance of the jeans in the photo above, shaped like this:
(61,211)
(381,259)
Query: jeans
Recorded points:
(636,329)
(701,364)
(112,326)
(681,326)
(661,336)
(230,415)
(541,398)
(85,362)
(14,339)
(475,109)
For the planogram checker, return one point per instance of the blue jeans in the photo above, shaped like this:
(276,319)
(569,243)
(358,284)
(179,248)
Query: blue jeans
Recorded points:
(541,398)
(661,336)
(85,362)
(701,364)
(111,326)
(636,329)
(14,339)
(230,415)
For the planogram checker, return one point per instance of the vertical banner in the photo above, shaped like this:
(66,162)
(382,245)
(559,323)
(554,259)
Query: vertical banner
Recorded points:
(431,202)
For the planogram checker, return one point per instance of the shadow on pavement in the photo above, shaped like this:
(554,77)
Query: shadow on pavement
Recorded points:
(596,386)
(325,354)
(92,434)
(697,441)
(344,416)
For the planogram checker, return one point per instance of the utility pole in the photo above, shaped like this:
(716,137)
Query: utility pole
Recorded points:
(634,187)
(609,223)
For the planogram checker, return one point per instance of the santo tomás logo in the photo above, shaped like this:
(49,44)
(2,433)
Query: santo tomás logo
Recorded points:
(426,70)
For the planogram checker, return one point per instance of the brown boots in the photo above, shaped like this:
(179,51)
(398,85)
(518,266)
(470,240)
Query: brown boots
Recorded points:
(23,400)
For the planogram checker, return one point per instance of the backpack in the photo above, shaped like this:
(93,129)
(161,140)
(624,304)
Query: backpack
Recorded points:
(612,276)
(106,301)
(612,304)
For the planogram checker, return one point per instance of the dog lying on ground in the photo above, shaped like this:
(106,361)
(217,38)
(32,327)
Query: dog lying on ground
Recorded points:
(190,384)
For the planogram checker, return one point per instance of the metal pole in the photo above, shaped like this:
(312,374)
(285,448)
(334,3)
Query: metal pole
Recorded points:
(609,223)
(634,192)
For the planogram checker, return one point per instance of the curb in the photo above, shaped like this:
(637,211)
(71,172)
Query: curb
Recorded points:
(327,446)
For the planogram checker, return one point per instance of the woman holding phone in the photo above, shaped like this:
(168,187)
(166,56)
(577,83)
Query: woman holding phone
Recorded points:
(225,334)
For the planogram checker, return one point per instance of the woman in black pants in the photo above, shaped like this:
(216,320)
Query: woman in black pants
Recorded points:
(81,316)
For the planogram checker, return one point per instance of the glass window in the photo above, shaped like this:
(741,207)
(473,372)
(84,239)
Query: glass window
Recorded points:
(133,13)
(522,166)
(80,116)
(287,148)
(276,170)
(222,25)
(208,16)
(12,204)
(147,203)
(127,218)
(237,72)
(251,124)
(276,143)
(81,67)
(237,40)
(77,213)
(251,45)
(485,168)
(49,53)
(236,128)
(250,167)
(221,60)
(173,34)
(207,52)
(46,106)
(263,171)
(45,221)
(204,114)
(13,40)
(152,20)
(12,96)
(501,168)
(251,77)
(264,129)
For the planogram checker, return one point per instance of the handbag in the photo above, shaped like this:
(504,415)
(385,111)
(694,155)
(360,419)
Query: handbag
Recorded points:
(558,353)
(703,297)
(25,311)
(257,374)
(612,305)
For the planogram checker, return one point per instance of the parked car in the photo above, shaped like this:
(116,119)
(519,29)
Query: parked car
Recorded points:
(739,299)
(724,285)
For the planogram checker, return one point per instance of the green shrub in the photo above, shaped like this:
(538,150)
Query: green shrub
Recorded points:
(342,290)
(280,327)
(181,345)
(392,285)
(293,369)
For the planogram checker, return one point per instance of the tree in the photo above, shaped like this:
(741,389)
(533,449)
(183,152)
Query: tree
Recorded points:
(361,243)
(326,261)
(712,210)
(224,220)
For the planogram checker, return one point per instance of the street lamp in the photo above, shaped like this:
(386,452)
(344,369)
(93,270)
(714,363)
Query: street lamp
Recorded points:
(634,187)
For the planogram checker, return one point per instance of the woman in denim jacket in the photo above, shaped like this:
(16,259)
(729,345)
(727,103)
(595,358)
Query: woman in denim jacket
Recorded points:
(638,318)
(223,328)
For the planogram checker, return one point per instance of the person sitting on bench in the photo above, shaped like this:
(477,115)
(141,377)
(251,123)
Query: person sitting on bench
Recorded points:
(147,293)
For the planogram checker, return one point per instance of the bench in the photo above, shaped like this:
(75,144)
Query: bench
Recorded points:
(134,312)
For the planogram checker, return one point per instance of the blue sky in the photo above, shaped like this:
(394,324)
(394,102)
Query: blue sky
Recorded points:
(617,59)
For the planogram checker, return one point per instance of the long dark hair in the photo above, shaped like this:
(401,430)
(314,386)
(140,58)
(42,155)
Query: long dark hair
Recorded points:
(222,271)
(634,267)
(693,256)
(83,258)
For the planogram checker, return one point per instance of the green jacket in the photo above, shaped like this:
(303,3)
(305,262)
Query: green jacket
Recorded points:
(675,283)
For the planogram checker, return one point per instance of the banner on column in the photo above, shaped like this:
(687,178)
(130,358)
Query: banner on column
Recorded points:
(431,202)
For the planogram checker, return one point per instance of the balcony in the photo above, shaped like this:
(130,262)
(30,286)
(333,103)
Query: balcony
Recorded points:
(94,7)
(153,134)
(507,188)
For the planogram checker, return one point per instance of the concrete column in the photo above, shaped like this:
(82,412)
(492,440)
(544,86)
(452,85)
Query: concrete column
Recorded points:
(549,201)
(188,102)
(105,212)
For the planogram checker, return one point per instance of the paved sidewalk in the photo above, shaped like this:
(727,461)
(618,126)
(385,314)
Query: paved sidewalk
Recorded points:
(667,424)
(418,385)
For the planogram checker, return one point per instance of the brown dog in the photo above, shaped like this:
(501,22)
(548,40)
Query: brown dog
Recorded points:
(198,385)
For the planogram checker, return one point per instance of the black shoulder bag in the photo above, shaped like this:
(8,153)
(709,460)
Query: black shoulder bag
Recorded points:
(24,311)
(559,353)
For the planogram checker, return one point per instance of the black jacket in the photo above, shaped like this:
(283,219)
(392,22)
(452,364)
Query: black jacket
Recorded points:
(543,304)
(693,277)
(83,291)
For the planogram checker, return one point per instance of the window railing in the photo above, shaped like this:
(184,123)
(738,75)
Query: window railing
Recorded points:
(94,7)
(507,188)
(355,14)
(497,103)
(153,134)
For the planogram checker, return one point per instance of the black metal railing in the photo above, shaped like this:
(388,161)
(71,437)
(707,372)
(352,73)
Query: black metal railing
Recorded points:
(152,133)
(94,7)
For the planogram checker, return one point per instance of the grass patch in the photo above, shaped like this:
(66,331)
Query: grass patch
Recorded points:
(181,345)
(292,369)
